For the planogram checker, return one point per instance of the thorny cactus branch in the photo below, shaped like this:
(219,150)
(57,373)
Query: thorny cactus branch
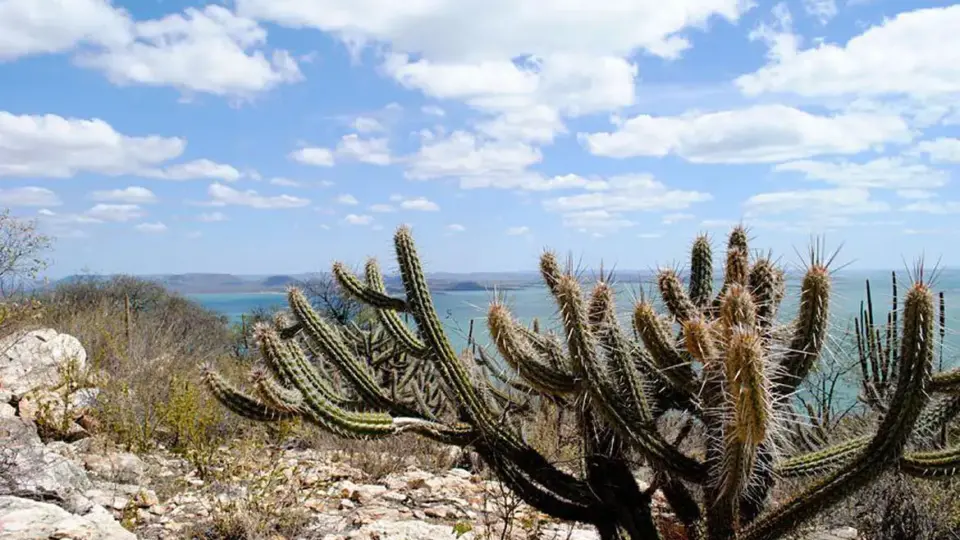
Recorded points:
(724,362)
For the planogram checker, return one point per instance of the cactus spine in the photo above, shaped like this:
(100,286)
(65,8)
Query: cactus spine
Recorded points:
(723,361)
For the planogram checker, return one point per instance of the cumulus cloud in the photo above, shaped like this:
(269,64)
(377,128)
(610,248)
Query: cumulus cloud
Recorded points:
(222,195)
(912,53)
(823,202)
(358,219)
(29,196)
(373,151)
(152,228)
(320,157)
(883,173)
(347,199)
(518,231)
(56,147)
(940,150)
(757,134)
(421,204)
(115,212)
(209,50)
(132,194)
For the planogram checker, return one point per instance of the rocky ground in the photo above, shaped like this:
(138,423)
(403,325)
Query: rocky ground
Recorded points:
(87,489)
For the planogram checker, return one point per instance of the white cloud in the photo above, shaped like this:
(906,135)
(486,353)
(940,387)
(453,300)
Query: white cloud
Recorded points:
(456,227)
(30,27)
(421,204)
(670,219)
(603,206)
(534,123)
(822,10)
(595,220)
(758,134)
(529,181)
(373,151)
(474,30)
(365,124)
(915,194)
(432,110)
(222,195)
(463,155)
(284,182)
(198,169)
(913,53)
(381,208)
(208,51)
(358,219)
(518,231)
(29,196)
(628,193)
(933,207)
(152,228)
(649,235)
(347,199)
(193,235)
(320,157)
(886,173)
(211,217)
(115,212)
(132,195)
(940,150)
(820,202)
(56,147)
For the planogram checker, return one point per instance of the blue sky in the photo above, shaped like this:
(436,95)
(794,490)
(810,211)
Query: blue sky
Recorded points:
(268,136)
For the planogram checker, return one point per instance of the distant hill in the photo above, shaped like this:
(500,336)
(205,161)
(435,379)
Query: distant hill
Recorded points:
(201,283)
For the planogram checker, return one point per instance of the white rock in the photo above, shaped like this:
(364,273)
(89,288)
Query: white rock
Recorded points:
(22,519)
(30,360)
(31,470)
(116,467)
(403,530)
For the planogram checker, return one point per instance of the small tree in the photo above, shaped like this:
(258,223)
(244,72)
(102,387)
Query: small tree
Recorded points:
(21,253)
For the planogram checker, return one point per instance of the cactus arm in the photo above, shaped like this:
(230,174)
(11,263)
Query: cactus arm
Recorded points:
(674,296)
(455,376)
(583,350)
(820,461)
(939,464)
(935,418)
(886,447)
(275,395)
(521,356)
(701,271)
(356,288)
(327,341)
(810,330)
(764,282)
(659,343)
(239,402)
(388,318)
(948,381)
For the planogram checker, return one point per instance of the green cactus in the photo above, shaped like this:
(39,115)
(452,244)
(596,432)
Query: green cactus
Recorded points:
(723,362)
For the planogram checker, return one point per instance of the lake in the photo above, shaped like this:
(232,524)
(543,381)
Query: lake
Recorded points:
(457,308)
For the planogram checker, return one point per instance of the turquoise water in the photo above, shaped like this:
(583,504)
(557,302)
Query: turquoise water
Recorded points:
(458,308)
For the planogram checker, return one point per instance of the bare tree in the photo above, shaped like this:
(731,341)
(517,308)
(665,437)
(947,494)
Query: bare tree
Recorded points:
(325,296)
(21,253)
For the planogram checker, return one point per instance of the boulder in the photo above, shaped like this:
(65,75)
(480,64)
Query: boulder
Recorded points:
(122,467)
(28,469)
(31,360)
(28,519)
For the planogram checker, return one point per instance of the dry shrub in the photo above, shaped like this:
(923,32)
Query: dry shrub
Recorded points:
(147,343)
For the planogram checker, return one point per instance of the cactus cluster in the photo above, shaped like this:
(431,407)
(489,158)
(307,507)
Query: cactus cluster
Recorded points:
(721,360)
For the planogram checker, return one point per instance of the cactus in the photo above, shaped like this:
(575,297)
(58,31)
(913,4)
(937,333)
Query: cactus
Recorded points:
(723,361)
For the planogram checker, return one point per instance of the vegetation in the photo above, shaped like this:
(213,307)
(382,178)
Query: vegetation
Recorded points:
(722,362)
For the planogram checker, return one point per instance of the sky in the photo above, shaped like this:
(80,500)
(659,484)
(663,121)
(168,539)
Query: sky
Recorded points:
(276,136)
